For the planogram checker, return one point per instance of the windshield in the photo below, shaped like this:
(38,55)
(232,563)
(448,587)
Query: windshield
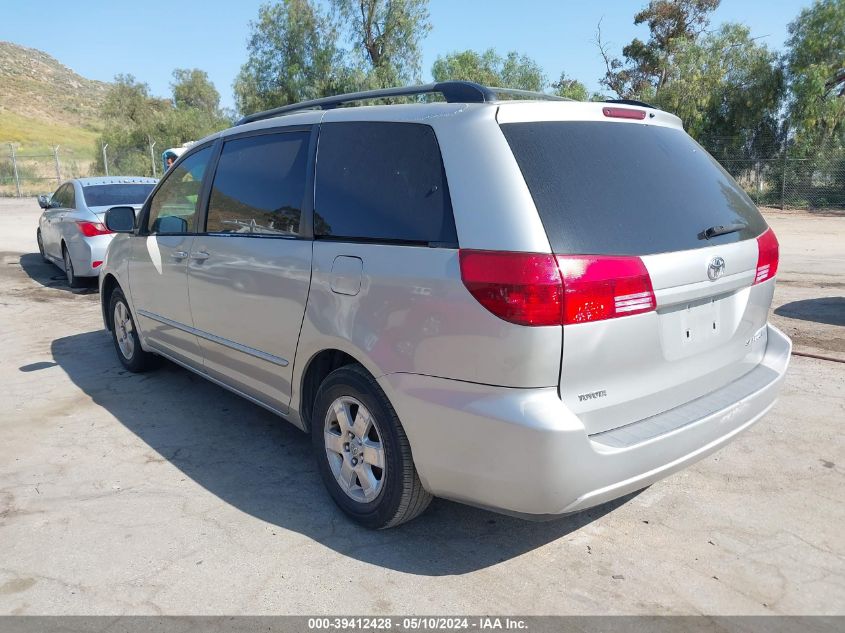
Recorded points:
(115,195)
(624,189)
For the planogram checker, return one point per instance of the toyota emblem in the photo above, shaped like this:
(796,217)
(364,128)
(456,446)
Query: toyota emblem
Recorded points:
(716,268)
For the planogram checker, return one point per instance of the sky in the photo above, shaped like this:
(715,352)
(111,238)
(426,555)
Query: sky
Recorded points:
(101,38)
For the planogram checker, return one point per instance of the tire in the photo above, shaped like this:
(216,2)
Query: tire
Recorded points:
(125,336)
(72,280)
(376,497)
(41,246)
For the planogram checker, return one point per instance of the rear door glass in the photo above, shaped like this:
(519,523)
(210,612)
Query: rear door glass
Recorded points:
(627,189)
(381,182)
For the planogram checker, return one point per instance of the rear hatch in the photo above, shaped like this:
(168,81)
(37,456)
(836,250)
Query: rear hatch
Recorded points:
(659,250)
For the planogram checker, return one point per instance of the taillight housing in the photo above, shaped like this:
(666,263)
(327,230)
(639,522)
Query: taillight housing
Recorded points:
(542,289)
(623,113)
(522,288)
(92,229)
(598,287)
(768,255)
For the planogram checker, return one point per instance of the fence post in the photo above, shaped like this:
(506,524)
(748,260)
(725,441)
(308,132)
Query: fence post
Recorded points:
(58,165)
(152,155)
(15,169)
(783,181)
(105,159)
(759,185)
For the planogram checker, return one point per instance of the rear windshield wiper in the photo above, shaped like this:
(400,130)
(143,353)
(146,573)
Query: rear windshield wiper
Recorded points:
(721,229)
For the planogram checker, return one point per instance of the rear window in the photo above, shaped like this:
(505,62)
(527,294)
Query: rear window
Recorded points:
(115,195)
(381,182)
(625,189)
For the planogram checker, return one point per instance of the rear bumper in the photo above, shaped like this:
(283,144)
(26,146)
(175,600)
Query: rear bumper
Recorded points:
(522,451)
(85,251)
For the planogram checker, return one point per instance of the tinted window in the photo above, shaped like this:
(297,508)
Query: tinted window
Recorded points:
(115,195)
(173,208)
(64,197)
(259,185)
(626,189)
(381,181)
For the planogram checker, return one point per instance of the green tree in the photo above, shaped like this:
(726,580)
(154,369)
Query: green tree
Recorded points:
(570,88)
(491,69)
(647,65)
(193,89)
(133,120)
(727,88)
(293,55)
(385,37)
(815,67)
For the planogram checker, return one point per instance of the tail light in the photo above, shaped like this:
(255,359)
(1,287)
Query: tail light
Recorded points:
(540,289)
(522,288)
(596,288)
(768,255)
(96,263)
(92,229)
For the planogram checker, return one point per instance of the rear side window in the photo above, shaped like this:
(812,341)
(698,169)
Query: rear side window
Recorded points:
(115,195)
(626,189)
(259,185)
(382,182)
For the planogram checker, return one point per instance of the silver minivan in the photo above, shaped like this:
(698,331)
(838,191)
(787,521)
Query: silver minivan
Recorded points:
(528,305)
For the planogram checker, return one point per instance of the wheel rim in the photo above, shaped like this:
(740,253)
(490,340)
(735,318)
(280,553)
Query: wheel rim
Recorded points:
(68,268)
(123,330)
(354,449)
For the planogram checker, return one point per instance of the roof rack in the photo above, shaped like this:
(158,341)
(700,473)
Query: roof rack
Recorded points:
(452,91)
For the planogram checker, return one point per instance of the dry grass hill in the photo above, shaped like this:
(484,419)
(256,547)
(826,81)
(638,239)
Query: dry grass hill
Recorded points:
(43,103)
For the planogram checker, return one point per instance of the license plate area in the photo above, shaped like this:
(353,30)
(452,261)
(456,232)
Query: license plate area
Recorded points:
(699,325)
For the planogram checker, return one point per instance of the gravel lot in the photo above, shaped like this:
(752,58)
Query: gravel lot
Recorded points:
(161,493)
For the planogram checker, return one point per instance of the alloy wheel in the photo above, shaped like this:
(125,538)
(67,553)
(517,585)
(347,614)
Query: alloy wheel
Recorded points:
(354,449)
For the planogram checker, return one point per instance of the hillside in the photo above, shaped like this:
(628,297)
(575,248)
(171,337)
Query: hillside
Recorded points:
(44,103)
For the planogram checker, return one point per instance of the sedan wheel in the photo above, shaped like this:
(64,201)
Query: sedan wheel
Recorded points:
(72,280)
(40,241)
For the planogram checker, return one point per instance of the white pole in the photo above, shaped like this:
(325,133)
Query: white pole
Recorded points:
(105,159)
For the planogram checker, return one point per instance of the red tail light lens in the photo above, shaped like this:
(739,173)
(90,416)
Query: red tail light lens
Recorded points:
(91,229)
(96,263)
(596,288)
(768,255)
(540,289)
(522,288)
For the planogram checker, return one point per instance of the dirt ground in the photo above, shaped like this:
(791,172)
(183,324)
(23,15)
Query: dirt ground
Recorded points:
(164,494)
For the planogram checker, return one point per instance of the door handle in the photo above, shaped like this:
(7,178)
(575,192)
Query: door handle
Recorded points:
(179,255)
(200,256)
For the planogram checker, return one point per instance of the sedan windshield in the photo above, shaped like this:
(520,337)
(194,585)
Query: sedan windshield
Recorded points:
(114,195)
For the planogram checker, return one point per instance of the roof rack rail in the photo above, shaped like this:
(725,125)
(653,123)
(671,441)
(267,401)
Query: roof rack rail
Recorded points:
(632,102)
(452,91)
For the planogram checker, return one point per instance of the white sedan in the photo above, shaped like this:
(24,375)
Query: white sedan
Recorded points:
(71,231)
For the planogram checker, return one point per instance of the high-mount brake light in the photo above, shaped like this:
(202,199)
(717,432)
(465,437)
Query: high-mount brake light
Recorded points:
(768,255)
(92,229)
(541,289)
(599,287)
(624,113)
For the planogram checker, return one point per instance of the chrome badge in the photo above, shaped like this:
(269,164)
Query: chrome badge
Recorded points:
(716,268)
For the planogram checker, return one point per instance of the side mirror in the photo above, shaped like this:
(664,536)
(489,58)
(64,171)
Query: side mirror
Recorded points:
(120,219)
(169,224)
(44,201)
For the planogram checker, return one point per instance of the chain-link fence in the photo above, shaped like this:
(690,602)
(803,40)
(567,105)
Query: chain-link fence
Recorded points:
(29,173)
(776,178)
